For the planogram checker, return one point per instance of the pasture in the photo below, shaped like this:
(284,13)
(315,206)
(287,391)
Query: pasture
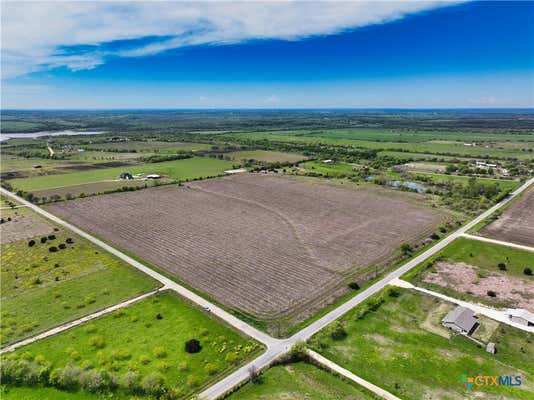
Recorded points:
(142,347)
(185,169)
(43,288)
(149,146)
(289,245)
(395,340)
(264,156)
(468,269)
(516,224)
(300,381)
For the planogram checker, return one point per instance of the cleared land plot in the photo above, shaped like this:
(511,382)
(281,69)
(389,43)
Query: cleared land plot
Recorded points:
(190,168)
(145,339)
(264,245)
(468,269)
(18,224)
(398,344)
(266,156)
(300,381)
(42,289)
(516,224)
(334,170)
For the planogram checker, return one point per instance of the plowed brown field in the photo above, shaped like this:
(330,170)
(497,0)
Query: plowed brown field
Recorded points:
(264,245)
(516,224)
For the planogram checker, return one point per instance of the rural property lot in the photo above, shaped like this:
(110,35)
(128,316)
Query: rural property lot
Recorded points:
(516,224)
(264,245)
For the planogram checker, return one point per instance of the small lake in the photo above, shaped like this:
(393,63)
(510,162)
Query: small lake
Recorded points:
(35,135)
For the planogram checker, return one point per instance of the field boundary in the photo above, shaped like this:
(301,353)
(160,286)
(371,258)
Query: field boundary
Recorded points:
(500,242)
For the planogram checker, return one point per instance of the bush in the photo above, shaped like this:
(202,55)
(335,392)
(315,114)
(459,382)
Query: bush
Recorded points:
(502,266)
(52,249)
(153,384)
(95,381)
(97,341)
(69,240)
(44,239)
(51,237)
(434,236)
(160,352)
(62,246)
(405,248)
(130,382)
(354,285)
(336,331)
(394,292)
(211,368)
(527,271)
(491,293)
(231,358)
(31,243)
(67,377)
(144,360)
(193,346)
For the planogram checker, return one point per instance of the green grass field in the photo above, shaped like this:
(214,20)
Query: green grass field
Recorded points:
(149,146)
(400,346)
(42,289)
(266,156)
(179,170)
(335,170)
(146,339)
(503,184)
(300,381)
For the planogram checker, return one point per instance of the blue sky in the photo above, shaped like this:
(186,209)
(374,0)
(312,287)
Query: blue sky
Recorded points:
(408,55)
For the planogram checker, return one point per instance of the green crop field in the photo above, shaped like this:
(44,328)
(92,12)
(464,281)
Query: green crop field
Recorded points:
(300,381)
(143,348)
(42,289)
(179,170)
(148,146)
(266,156)
(398,344)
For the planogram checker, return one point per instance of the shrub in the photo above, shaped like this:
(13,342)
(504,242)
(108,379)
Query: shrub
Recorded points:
(97,341)
(52,249)
(51,237)
(527,271)
(31,243)
(405,248)
(354,285)
(96,381)
(131,382)
(434,236)
(192,381)
(502,266)
(159,316)
(69,240)
(62,246)
(231,358)
(336,331)
(211,368)
(153,384)
(182,367)
(394,292)
(144,360)
(193,346)
(66,377)
(160,352)
(44,239)
(491,293)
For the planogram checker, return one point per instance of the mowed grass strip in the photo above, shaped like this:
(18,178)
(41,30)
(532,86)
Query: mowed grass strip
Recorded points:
(146,339)
(398,344)
(300,381)
(42,289)
(186,169)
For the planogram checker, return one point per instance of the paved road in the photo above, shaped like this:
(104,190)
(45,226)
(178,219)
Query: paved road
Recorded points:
(493,313)
(502,243)
(276,348)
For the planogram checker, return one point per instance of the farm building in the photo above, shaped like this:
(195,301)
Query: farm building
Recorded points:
(125,175)
(461,319)
(520,316)
(153,176)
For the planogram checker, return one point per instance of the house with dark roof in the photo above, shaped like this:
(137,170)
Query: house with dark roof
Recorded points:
(125,175)
(461,320)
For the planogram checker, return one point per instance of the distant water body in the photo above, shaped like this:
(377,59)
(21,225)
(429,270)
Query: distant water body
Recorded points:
(34,135)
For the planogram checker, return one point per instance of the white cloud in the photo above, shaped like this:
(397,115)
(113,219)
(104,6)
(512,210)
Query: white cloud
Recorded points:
(40,35)
(272,99)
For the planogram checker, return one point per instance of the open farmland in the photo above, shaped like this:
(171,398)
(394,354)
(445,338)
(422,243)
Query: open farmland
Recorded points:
(266,156)
(264,245)
(179,170)
(516,224)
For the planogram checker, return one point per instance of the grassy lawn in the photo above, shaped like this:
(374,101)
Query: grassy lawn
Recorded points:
(400,345)
(146,339)
(42,289)
(337,169)
(190,168)
(266,156)
(300,381)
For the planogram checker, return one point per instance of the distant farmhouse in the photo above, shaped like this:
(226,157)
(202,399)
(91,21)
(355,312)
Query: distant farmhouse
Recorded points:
(520,316)
(125,175)
(461,320)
